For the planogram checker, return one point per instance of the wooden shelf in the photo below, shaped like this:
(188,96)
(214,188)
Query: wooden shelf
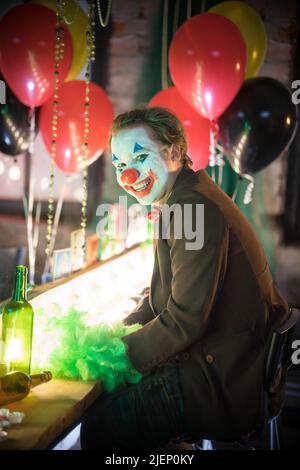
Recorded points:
(50,409)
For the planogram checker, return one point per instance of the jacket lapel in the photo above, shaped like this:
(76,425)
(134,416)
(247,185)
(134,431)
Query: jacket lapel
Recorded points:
(183,180)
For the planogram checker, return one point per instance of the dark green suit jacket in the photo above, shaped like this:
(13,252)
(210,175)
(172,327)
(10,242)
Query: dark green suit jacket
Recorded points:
(213,309)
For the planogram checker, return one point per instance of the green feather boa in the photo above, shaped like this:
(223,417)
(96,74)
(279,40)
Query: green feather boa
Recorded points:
(91,352)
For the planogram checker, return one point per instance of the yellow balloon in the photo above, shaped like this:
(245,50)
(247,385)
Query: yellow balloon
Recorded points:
(74,15)
(252,28)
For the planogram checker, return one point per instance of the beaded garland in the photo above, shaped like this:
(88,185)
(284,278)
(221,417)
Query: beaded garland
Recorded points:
(59,54)
(90,44)
(103,22)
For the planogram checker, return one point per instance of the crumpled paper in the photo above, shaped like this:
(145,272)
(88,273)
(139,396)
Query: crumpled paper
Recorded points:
(7,419)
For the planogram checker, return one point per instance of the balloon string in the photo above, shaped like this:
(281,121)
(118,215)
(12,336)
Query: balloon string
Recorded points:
(213,174)
(220,163)
(31,130)
(36,227)
(249,191)
(189,9)
(220,175)
(36,232)
(164,47)
(237,187)
(212,149)
(58,209)
(211,159)
(216,153)
(30,202)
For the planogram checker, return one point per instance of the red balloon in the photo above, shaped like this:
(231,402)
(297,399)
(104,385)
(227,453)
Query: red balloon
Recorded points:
(207,62)
(196,127)
(70,124)
(27,52)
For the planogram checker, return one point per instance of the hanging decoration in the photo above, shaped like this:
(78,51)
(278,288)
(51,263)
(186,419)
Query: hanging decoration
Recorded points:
(26,33)
(216,153)
(249,190)
(83,125)
(59,56)
(76,22)
(90,46)
(30,226)
(104,22)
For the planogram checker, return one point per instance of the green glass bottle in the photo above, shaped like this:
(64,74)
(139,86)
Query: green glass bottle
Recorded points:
(17,327)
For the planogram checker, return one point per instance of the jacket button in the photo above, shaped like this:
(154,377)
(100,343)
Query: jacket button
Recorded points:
(210,358)
(185,356)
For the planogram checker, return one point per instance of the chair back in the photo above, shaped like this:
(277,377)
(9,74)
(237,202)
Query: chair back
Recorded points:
(280,350)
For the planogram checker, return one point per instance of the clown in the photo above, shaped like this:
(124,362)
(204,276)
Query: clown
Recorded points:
(208,315)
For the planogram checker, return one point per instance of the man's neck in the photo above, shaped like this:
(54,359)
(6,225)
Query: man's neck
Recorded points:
(172,178)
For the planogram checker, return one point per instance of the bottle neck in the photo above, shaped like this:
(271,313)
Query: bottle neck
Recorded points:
(20,287)
(37,379)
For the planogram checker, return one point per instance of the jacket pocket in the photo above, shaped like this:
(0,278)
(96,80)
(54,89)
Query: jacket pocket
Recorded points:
(235,364)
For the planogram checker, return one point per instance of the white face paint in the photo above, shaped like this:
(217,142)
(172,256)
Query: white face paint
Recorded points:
(141,168)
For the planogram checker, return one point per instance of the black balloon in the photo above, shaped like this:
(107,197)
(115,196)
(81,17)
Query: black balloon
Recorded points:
(259,125)
(14,125)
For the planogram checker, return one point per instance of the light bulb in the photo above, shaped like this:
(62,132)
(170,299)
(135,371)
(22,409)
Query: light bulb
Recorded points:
(44,183)
(2,167)
(14,173)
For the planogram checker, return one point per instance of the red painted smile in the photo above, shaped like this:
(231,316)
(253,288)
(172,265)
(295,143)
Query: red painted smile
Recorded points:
(141,188)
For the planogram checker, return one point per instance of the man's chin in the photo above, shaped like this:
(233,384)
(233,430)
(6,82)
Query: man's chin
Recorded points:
(145,201)
(151,199)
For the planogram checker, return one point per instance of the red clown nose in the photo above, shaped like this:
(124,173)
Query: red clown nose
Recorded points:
(129,176)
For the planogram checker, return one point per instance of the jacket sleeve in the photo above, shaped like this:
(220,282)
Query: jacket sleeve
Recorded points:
(196,277)
(142,313)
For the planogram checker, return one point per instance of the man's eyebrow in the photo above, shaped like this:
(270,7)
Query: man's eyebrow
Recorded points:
(137,147)
(114,158)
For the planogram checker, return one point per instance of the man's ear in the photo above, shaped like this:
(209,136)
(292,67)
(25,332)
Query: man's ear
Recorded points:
(175,153)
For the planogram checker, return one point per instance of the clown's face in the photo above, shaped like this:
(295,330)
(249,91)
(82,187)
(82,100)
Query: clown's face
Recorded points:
(144,165)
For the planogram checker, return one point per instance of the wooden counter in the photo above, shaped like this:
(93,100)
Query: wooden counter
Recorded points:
(50,409)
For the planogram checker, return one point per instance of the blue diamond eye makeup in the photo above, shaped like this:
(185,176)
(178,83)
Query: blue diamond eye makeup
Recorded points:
(137,147)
